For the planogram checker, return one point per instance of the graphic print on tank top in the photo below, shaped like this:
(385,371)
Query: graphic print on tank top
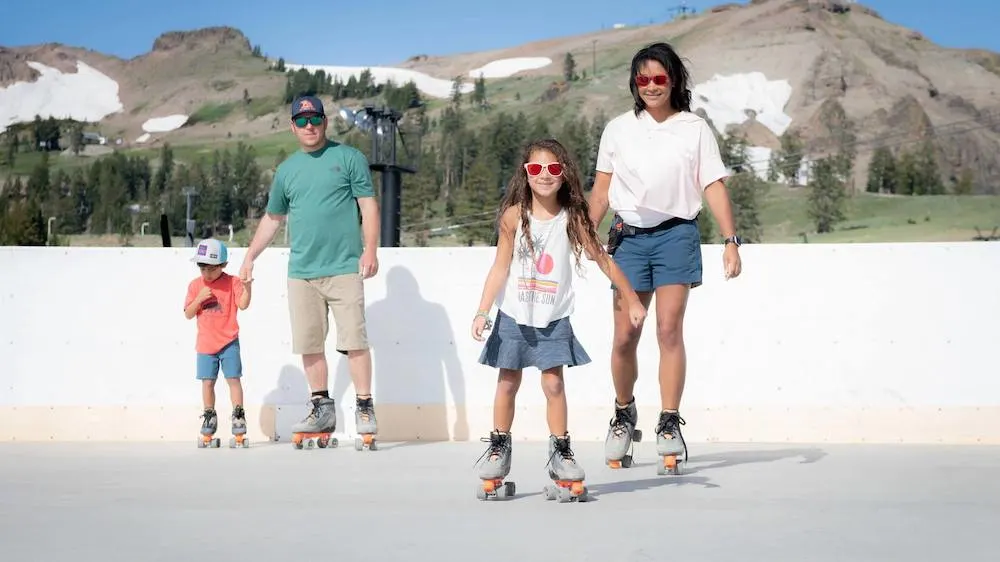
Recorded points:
(538,289)
(542,272)
(532,284)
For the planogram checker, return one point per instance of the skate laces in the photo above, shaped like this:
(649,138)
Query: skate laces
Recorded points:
(622,420)
(561,447)
(670,426)
(314,413)
(497,443)
(238,413)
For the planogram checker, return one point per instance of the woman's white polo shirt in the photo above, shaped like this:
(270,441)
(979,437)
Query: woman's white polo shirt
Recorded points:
(658,170)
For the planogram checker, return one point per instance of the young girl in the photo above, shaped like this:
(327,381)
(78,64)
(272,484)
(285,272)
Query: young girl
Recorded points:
(543,222)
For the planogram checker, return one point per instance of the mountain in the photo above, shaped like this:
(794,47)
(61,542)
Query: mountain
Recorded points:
(184,71)
(819,68)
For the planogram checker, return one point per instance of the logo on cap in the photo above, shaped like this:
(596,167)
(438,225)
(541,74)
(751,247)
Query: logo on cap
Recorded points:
(202,249)
(306,105)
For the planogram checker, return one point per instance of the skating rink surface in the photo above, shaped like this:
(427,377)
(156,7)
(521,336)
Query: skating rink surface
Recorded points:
(144,502)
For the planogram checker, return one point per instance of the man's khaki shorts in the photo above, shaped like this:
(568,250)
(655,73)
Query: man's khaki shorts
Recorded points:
(309,303)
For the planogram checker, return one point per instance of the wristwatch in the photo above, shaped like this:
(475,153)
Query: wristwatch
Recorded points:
(733,240)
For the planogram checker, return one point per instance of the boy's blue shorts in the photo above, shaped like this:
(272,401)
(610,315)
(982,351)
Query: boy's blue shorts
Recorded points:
(228,358)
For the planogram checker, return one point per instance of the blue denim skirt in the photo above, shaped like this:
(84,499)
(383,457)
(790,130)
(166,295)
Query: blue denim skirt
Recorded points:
(511,346)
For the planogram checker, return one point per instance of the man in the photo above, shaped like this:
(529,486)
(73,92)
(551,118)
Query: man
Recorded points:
(320,190)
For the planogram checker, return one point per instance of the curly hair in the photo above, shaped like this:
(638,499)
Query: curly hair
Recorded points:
(570,197)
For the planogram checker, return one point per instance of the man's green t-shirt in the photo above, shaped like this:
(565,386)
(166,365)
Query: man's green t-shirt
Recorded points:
(317,191)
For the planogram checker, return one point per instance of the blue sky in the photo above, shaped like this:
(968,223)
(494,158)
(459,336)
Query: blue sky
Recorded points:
(347,33)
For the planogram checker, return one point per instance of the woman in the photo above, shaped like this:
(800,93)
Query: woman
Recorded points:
(654,165)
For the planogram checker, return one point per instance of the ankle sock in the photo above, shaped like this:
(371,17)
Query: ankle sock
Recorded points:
(623,406)
(321,393)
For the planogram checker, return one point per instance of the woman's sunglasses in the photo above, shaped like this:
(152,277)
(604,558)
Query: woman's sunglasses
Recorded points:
(315,121)
(533,168)
(643,80)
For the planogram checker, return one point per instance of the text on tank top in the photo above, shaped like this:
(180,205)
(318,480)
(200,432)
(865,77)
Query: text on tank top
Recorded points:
(539,287)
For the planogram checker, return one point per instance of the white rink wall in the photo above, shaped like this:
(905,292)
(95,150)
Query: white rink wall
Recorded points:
(813,343)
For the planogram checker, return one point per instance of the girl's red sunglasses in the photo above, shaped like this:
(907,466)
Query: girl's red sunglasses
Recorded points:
(643,80)
(533,168)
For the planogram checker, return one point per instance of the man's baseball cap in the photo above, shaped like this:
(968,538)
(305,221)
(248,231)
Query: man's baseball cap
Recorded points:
(307,104)
(211,252)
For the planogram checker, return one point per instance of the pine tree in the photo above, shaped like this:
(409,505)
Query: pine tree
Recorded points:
(827,196)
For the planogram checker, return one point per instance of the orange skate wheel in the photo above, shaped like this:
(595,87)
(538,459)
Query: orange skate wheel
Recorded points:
(576,488)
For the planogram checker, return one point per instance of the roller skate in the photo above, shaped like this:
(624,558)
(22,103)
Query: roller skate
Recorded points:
(495,468)
(622,434)
(670,443)
(567,476)
(315,429)
(239,438)
(365,424)
(208,429)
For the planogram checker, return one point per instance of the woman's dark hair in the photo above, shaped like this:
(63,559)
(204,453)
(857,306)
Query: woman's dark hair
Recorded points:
(680,95)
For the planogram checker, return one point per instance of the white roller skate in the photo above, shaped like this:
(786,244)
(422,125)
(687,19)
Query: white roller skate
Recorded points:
(208,429)
(618,446)
(316,428)
(366,425)
(670,443)
(567,476)
(239,438)
(495,468)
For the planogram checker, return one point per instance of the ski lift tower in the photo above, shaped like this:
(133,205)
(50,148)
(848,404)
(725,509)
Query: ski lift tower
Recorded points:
(382,124)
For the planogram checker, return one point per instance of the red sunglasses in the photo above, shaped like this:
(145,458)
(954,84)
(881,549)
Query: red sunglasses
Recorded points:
(533,168)
(643,80)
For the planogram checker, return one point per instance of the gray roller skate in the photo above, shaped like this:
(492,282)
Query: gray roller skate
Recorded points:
(495,468)
(670,443)
(567,476)
(239,438)
(316,428)
(618,446)
(366,425)
(208,429)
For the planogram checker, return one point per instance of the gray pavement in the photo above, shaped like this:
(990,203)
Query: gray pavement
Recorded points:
(140,502)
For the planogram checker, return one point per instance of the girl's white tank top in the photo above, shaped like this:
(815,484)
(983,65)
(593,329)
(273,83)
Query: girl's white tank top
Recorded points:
(539,287)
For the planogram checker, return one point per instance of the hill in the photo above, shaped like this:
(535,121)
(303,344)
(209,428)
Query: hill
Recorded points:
(803,78)
(805,66)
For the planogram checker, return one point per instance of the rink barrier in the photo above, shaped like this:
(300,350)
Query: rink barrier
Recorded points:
(859,343)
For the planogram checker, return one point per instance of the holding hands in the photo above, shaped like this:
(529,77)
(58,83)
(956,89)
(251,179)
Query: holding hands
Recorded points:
(246,272)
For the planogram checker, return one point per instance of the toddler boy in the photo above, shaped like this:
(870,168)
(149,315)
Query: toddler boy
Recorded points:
(213,298)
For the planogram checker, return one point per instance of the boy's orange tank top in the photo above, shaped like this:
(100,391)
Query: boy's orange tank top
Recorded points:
(217,325)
